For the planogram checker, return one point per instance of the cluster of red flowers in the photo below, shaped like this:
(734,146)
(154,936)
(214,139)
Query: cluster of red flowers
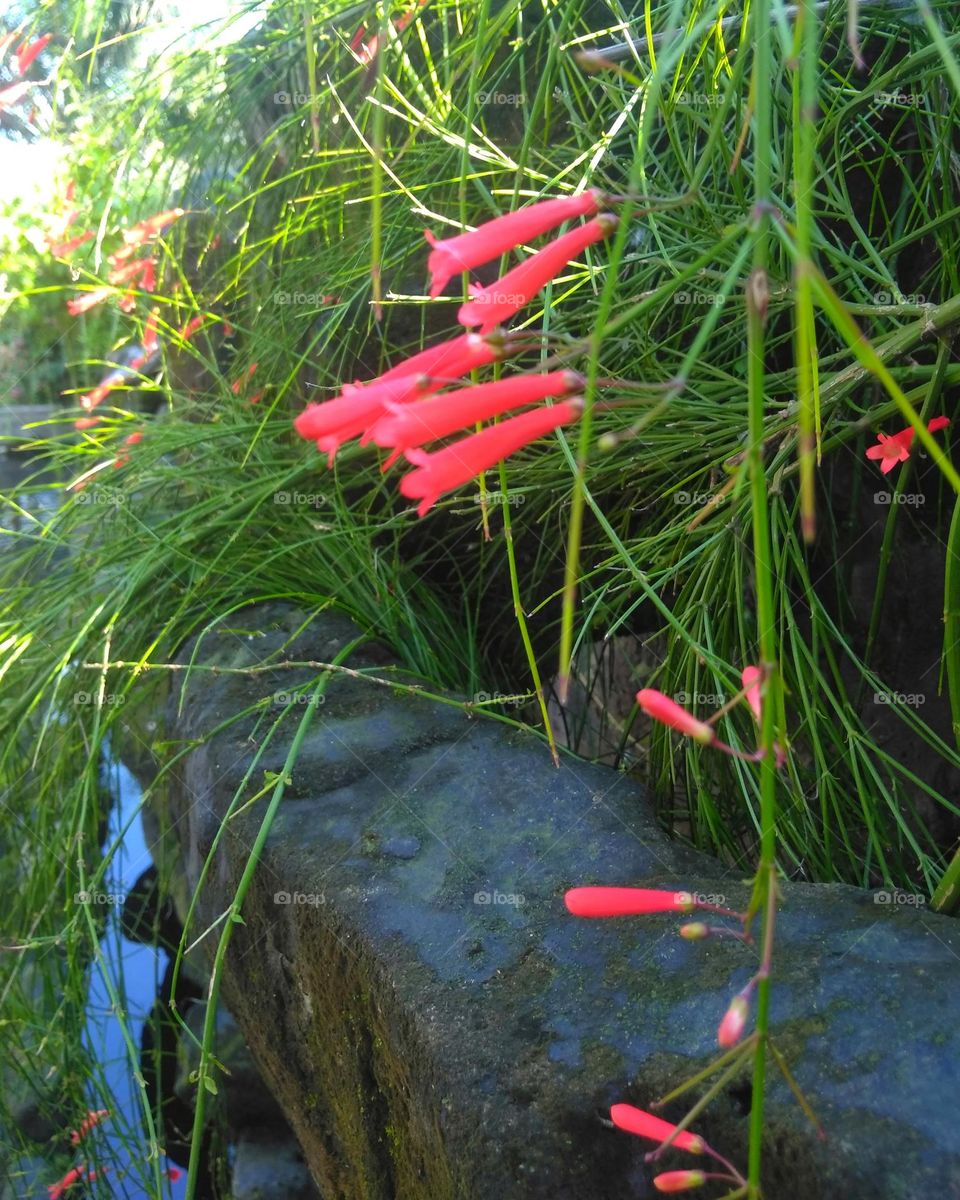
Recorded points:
(662,708)
(393,410)
(141,272)
(26,54)
(600,902)
(81,1173)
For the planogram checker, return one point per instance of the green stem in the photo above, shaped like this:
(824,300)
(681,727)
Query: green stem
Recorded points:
(763,572)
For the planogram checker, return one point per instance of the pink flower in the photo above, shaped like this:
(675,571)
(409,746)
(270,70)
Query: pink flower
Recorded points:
(668,712)
(86,423)
(625,901)
(646,1125)
(334,422)
(464,460)
(27,52)
(468,250)
(406,425)
(734,1019)
(679,1181)
(453,359)
(895,448)
(494,304)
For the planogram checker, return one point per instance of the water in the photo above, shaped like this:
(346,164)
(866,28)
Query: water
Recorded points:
(136,973)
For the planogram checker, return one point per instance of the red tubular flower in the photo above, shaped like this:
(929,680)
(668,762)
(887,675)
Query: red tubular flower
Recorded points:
(406,425)
(86,422)
(191,327)
(74,1175)
(63,249)
(100,393)
(895,448)
(334,422)
(494,304)
(734,1020)
(238,383)
(468,250)
(453,359)
(136,235)
(151,341)
(89,300)
(646,1125)
(625,901)
(679,1181)
(655,704)
(132,271)
(90,1120)
(750,677)
(27,52)
(464,460)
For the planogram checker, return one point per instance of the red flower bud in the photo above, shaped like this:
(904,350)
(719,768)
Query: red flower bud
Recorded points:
(731,1027)
(695,931)
(646,1125)
(494,304)
(448,469)
(625,901)
(655,704)
(468,250)
(679,1181)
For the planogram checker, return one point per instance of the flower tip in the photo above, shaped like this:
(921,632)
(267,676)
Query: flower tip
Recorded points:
(734,1020)
(679,1181)
(694,931)
(655,704)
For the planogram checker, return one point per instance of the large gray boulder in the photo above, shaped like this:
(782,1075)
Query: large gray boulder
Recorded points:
(435,1025)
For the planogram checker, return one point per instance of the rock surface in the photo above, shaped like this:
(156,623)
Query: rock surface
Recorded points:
(435,1025)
